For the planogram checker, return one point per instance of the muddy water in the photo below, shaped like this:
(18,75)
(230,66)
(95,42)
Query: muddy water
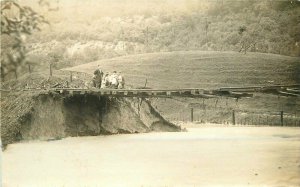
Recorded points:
(222,156)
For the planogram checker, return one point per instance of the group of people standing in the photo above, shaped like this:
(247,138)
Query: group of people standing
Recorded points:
(107,80)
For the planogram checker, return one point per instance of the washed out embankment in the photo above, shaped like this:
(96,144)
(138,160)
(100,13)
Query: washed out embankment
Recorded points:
(52,116)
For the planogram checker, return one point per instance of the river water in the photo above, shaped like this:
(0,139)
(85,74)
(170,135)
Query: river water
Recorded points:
(206,156)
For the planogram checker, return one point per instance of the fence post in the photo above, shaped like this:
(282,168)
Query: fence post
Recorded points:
(29,68)
(281,118)
(192,114)
(233,117)
(296,119)
(71,77)
(50,69)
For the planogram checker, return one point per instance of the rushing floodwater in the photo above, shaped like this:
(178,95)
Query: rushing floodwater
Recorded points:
(222,156)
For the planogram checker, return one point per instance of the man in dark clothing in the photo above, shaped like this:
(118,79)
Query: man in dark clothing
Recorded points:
(97,78)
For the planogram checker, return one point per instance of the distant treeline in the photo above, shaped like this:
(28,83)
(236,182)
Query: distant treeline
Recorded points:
(219,25)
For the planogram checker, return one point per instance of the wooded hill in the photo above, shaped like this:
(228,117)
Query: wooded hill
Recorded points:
(85,31)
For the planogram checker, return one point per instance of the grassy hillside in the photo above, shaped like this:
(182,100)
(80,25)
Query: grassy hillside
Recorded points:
(212,70)
(200,69)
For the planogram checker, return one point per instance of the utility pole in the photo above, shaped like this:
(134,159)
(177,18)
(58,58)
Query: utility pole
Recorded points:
(206,29)
(147,38)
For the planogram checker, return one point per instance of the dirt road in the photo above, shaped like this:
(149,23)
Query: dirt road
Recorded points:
(210,156)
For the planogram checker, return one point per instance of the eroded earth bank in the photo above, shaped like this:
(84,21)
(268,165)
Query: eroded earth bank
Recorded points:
(27,116)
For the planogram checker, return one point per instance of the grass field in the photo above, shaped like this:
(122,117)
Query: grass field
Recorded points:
(212,70)
(201,69)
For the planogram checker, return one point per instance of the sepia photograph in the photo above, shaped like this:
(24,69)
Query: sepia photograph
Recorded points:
(150,93)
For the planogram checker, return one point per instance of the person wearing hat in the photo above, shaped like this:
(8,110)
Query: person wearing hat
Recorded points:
(97,79)
(121,81)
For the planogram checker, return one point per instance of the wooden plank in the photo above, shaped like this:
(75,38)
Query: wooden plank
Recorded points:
(297,91)
(238,94)
(206,96)
(260,87)
(288,94)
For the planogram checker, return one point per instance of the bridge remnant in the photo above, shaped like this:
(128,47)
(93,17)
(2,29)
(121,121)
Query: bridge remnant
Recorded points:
(234,92)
